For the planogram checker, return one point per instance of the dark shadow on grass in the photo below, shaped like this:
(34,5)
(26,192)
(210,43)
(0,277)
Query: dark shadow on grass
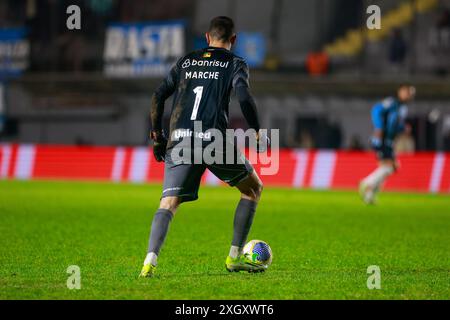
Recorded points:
(206,274)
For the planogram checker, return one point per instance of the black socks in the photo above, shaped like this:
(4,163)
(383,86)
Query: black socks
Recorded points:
(243,220)
(160,226)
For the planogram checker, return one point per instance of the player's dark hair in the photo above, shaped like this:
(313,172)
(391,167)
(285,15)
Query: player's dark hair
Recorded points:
(221,28)
(404,85)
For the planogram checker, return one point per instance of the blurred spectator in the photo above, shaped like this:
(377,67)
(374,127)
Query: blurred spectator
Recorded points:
(405,142)
(397,48)
(317,63)
(72,51)
(335,138)
(355,143)
(306,140)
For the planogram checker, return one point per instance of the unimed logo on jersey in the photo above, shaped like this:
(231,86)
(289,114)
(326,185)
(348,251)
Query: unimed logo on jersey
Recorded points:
(189,147)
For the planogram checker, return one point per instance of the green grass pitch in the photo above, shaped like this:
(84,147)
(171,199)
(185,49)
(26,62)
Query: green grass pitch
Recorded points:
(322,242)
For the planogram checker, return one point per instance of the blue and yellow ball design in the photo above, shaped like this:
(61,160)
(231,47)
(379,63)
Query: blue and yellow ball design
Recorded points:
(259,251)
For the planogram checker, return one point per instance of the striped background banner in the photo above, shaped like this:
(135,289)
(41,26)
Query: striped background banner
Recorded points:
(315,169)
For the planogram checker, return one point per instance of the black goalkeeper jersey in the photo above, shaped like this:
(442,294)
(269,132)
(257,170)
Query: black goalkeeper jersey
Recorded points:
(201,83)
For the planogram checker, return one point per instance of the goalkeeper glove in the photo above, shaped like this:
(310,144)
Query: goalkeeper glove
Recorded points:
(159,145)
(262,142)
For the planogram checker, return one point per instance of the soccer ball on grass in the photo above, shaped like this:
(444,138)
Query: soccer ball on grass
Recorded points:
(259,252)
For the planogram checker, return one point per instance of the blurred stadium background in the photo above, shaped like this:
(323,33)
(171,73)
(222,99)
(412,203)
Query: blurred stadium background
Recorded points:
(75,103)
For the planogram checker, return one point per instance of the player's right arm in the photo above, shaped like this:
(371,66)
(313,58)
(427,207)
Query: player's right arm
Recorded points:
(242,88)
(164,91)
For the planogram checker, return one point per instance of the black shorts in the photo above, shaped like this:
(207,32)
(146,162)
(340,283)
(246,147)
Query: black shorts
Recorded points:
(183,179)
(385,153)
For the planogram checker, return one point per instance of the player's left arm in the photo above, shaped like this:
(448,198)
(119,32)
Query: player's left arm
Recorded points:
(164,91)
(247,103)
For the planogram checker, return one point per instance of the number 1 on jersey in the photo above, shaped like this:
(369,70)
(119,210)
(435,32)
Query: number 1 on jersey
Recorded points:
(198,97)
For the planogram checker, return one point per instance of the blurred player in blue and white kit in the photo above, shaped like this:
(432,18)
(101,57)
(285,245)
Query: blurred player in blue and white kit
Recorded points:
(388,119)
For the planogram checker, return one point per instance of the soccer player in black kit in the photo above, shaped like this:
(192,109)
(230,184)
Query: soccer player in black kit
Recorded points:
(201,83)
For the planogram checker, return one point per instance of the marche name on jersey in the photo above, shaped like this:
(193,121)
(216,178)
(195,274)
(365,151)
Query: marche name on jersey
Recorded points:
(203,63)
